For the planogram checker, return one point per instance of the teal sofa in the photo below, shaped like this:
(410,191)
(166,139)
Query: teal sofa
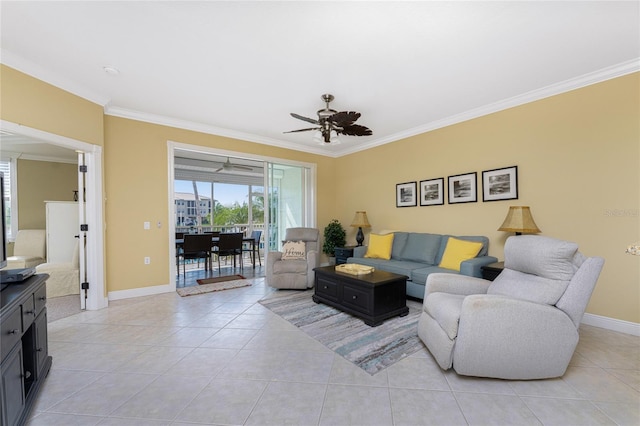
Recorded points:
(417,255)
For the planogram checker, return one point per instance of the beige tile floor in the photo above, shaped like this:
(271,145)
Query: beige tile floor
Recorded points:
(223,359)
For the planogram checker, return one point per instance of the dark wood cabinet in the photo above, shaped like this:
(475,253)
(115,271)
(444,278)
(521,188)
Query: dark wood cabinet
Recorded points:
(25,356)
(343,253)
(373,297)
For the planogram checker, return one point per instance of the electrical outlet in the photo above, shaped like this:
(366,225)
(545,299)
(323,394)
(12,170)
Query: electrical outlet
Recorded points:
(147,260)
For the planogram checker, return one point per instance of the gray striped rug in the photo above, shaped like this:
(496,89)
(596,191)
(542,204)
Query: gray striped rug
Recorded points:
(370,348)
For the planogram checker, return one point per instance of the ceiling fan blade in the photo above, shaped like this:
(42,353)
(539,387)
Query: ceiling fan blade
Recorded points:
(303,130)
(344,118)
(220,169)
(308,120)
(238,167)
(355,130)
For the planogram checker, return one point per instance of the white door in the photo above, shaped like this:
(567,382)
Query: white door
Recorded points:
(62,229)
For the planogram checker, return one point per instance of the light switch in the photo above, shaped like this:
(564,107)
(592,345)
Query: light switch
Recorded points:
(147,225)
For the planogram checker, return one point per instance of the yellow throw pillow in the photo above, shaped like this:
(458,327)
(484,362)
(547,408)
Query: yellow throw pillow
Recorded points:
(379,246)
(458,251)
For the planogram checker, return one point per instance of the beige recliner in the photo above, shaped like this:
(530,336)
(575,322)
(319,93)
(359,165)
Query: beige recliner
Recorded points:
(295,274)
(524,324)
(29,249)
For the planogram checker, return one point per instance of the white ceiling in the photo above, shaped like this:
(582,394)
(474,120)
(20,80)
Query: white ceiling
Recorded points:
(239,68)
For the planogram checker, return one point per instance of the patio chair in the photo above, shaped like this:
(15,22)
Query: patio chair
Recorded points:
(196,246)
(248,247)
(230,244)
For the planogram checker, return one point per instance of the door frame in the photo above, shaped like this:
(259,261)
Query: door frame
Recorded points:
(172,146)
(94,217)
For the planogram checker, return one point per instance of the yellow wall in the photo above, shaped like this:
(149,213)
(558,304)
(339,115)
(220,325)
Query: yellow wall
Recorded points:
(578,158)
(40,181)
(33,103)
(136,183)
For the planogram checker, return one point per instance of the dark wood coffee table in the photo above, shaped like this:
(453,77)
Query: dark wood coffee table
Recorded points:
(374,297)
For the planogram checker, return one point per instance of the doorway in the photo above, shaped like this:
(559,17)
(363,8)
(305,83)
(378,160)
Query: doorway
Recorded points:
(91,255)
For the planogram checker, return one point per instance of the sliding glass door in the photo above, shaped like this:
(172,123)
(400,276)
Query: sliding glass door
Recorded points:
(290,200)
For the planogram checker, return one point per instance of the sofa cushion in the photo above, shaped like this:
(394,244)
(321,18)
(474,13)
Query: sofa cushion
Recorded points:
(421,247)
(290,266)
(420,275)
(396,266)
(533,288)
(445,309)
(458,251)
(399,241)
(379,246)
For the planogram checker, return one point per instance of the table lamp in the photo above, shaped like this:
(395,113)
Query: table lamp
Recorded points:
(360,220)
(519,220)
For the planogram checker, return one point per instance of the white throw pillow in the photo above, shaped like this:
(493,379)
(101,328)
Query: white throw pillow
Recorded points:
(294,250)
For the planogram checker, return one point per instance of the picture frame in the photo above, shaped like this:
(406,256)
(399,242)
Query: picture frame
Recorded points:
(500,184)
(432,192)
(463,188)
(406,194)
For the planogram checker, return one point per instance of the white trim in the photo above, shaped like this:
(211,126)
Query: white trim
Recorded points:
(141,291)
(588,79)
(94,218)
(599,76)
(30,68)
(49,158)
(612,324)
(211,130)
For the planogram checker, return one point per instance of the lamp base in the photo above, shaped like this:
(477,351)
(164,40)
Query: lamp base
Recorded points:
(360,236)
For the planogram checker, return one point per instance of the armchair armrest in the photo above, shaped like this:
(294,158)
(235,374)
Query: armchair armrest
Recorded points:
(473,267)
(271,257)
(455,284)
(359,251)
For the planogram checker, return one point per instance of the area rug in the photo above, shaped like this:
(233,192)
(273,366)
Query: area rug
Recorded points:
(208,288)
(219,279)
(371,348)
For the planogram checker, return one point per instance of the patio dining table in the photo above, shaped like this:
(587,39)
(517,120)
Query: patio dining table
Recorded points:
(215,240)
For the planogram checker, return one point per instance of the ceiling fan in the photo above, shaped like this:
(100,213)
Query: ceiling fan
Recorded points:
(229,166)
(332,123)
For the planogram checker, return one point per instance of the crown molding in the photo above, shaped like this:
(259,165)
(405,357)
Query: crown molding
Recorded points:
(12,60)
(205,128)
(598,76)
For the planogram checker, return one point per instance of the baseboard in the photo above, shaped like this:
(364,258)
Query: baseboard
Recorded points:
(138,292)
(613,324)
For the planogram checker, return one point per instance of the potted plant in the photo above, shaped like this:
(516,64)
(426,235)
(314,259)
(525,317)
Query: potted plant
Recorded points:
(334,236)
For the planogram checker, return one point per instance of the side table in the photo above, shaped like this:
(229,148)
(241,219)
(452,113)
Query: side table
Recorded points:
(342,253)
(492,270)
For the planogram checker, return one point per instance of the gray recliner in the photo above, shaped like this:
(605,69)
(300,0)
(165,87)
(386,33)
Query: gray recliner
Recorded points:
(524,324)
(295,274)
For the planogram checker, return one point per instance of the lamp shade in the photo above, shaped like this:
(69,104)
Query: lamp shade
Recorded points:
(519,220)
(360,220)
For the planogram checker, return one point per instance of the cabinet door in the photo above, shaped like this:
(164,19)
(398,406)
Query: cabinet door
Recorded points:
(40,326)
(12,387)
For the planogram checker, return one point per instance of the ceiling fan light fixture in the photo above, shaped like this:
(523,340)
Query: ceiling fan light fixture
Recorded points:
(331,123)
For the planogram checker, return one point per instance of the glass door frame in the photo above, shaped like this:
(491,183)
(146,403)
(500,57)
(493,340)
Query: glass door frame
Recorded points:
(310,218)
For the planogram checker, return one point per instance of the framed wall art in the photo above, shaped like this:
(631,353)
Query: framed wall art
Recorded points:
(463,188)
(500,184)
(432,192)
(406,194)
